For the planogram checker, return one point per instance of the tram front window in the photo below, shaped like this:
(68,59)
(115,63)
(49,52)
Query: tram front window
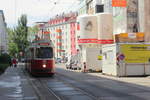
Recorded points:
(44,52)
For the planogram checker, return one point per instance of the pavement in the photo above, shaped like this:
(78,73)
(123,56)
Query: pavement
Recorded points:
(143,81)
(15,86)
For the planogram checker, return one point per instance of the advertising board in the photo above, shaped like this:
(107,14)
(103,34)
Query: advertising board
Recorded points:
(136,53)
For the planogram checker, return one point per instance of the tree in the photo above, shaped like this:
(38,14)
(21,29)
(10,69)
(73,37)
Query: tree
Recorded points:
(12,46)
(13,49)
(21,33)
(32,32)
(18,37)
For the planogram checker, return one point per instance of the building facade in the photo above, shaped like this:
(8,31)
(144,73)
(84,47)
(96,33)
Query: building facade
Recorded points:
(82,9)
(62,31)
(146,20)
(63,27)
(90,7)
(3,34)
(125,17)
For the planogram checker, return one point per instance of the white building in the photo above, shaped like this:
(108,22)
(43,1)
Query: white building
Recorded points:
(3,34)
(90,7)
(82,9)
(126,19)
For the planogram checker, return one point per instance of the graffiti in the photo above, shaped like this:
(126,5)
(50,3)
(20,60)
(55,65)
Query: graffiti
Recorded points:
(89,26)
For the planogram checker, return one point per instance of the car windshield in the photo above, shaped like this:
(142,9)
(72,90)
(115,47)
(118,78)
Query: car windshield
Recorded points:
(44,52)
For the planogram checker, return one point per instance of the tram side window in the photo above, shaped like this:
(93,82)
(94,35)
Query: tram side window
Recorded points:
(44,52)
(32,53)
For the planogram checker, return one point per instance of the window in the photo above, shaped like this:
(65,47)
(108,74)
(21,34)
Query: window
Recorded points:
(44,52)
(31,53)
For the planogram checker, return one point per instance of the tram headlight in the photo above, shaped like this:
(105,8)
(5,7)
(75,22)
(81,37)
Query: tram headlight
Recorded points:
(44,66)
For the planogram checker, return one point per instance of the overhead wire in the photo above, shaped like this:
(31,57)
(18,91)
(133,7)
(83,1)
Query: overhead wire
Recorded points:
(58,3)
(54,5)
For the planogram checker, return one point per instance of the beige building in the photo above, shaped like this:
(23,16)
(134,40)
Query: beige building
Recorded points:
(146,19)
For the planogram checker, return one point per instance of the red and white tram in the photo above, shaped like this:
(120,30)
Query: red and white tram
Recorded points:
(40,58)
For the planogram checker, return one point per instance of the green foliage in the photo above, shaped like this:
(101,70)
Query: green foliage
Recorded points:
(5,61)
(32,32)
(3,67)
(12,46)
(13,49)
(21,33)
(18,36)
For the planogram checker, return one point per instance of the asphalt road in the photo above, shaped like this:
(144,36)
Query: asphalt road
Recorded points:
(70,85)
(101,88)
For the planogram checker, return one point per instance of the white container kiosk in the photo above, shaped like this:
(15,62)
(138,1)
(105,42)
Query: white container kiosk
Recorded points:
(95,30)
(126,59)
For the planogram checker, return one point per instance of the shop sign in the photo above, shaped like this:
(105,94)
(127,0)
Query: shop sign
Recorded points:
(119,3)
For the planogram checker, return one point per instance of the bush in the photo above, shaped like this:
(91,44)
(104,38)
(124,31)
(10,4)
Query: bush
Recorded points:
(3,67)
(5,61)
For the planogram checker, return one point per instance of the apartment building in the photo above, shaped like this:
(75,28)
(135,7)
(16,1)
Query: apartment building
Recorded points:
(62,30)
(3,34)
(127,15)
(82,9)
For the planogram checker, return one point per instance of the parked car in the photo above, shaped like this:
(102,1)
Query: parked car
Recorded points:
(69,64)
(58,60)
(74,65)
(22,60)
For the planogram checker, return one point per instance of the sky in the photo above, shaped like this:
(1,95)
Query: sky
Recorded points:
(36,10)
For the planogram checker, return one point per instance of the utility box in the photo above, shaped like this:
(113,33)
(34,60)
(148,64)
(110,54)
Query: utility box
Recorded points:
(126,59)
(92,58)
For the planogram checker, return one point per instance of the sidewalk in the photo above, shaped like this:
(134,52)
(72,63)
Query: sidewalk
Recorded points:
(144,81)
(14,86)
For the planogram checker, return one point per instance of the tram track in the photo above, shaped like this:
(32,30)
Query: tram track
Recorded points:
(59,77)
(41,90)
(106,92)
(61,87)
(44,91)
(57,91)
(28,77)
(50,90)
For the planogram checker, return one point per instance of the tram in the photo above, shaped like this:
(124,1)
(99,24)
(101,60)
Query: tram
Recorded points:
(40,58)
